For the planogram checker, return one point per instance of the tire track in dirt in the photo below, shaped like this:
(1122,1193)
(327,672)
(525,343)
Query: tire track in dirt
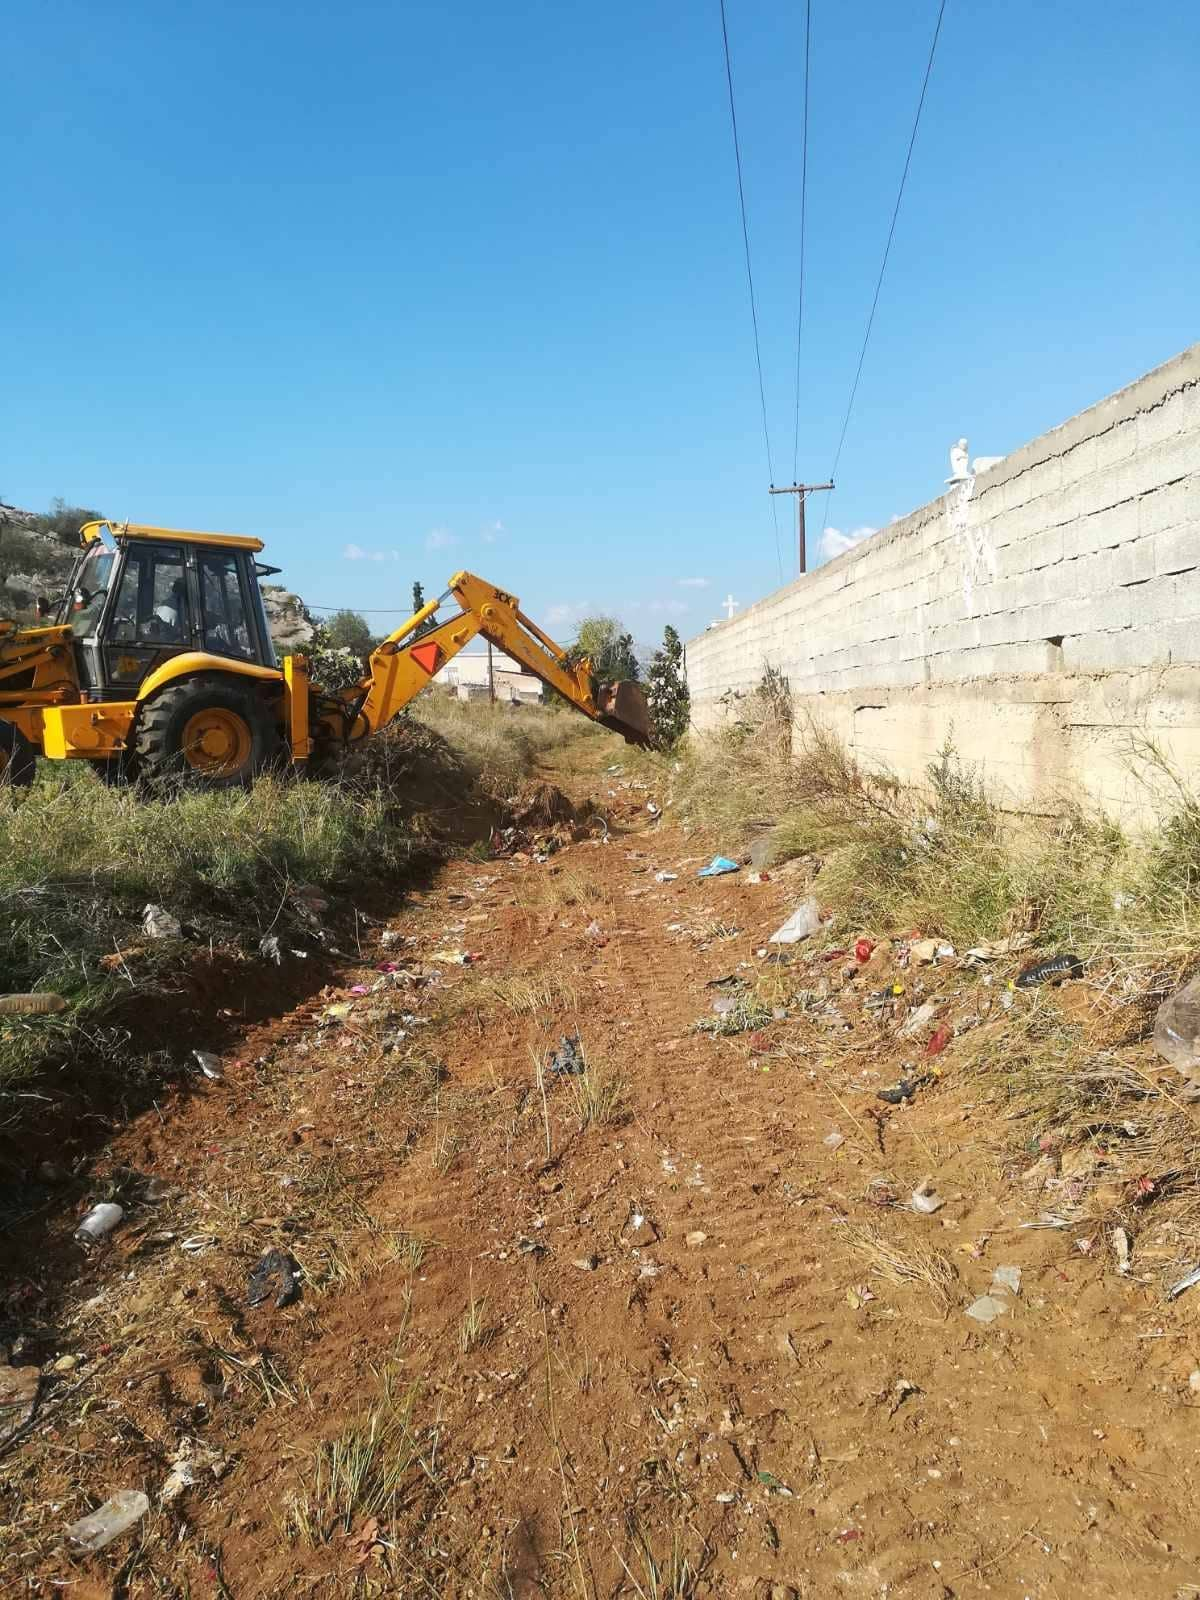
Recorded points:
(674,1416)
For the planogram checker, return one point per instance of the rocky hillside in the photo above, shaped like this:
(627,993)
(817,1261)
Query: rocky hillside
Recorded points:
(38,548)
(35,557)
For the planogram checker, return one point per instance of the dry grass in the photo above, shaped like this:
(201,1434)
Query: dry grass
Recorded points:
(600,1096)
(499,746)
(367,1470)
(473,1330)
(530,994)
(917,1264)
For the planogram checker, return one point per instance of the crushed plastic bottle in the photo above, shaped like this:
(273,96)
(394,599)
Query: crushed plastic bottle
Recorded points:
(99,1222)
(1177,1029)
(109,1521)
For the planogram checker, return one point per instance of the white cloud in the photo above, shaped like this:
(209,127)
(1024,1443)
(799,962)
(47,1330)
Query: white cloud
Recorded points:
(669,608)
(567,611)
(355,552)
(491,531)
(694,583)
(440,539)
(835,543)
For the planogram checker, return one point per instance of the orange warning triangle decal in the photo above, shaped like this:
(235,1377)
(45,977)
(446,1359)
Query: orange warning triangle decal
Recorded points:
(428,656)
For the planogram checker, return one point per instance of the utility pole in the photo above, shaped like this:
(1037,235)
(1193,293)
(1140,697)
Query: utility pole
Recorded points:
(491,676)
(802,492)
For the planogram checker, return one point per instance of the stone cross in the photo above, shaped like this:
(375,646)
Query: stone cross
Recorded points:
(729,605)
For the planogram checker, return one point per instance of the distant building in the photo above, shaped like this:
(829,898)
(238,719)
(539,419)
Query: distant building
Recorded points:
(467,677)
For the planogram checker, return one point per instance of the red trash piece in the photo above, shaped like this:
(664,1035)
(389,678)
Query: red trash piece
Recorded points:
(940,1039)
(862,949)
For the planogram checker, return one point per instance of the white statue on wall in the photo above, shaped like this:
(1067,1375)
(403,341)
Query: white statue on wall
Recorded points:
(959,468)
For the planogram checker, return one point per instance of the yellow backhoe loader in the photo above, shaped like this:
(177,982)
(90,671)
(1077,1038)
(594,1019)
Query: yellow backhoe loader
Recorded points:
(159,665)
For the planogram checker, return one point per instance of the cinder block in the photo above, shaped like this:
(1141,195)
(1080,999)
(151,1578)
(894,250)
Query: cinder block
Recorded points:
(1177,550)
(1157,600)
(1118,444)
(1107,652)
(1171,505)
(1136,560)
(1079,461)
(1160,421)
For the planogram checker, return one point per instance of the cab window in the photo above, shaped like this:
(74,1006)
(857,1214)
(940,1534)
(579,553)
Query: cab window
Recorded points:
(85,600)
(223,620)
(151,604)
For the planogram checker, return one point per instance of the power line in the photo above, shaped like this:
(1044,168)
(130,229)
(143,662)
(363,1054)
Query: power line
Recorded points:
(762,393)
(862,355)
(803,222)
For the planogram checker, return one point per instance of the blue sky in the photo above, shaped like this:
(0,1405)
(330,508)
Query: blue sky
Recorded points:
(404,288)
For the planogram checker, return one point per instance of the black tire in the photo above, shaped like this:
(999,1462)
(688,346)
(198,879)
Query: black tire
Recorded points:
(165,742)
(18,758)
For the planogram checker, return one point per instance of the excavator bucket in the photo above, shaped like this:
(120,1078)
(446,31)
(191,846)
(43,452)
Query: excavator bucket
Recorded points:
(623,709)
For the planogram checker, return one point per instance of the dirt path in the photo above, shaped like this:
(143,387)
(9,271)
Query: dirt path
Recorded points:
(693,1349)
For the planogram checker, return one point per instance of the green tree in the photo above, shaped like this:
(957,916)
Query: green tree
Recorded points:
(667,691)
(347,630)
(609,647)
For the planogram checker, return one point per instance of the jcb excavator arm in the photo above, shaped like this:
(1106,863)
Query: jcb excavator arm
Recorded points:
(407,660)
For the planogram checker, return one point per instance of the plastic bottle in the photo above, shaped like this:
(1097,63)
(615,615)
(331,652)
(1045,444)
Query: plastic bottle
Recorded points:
(99,1222)
(1177,1029)
(109,1521)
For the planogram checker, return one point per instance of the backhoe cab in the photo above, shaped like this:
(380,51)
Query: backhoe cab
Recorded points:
(159,664)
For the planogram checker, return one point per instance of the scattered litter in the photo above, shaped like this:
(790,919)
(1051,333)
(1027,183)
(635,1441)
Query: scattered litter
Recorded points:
(197,1242)
(834,1140)
(160,924)
(901,1390)
(269,948)
(1120,1244)
(728,980)
(859,1296)
(923,952)
(802,924)
(586,1263)
(337,1012)
(1006,1282)
(99,1223)
(568,1058)
(695,1239)
(773,1486)
(191,1462)
(862,950)
(758,877)
(595,931)
(209,1064)
(639,1230)
(904,1090)
(724,1004)
(1052,971)
(987,1308)
(918,1019)
(275,1264)
(113,1518)
(655,811)
(18,1398)
(939,1039)
(1048,1219)
(884,997)
(725,1498)
(717,867)
(925,1198)
(665,877)
(1177,1029)
(31,1005)
(358,988)
(455,957)
(1188,1282)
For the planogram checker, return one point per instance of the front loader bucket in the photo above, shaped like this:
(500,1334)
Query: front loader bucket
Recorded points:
(623,709)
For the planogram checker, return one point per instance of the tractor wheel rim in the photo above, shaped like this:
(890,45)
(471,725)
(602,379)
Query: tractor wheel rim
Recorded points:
(216,742)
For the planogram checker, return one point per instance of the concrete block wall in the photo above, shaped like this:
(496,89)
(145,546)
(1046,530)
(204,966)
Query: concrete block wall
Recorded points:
(1044,614)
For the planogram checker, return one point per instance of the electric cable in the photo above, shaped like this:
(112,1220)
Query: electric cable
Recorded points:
(803,229)
(862,355)
(762,393)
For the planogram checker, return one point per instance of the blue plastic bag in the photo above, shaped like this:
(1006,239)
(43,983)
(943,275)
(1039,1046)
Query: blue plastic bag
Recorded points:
(717,867)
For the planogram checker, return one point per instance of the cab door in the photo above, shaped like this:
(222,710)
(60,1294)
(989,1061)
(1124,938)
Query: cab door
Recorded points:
(149,618)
